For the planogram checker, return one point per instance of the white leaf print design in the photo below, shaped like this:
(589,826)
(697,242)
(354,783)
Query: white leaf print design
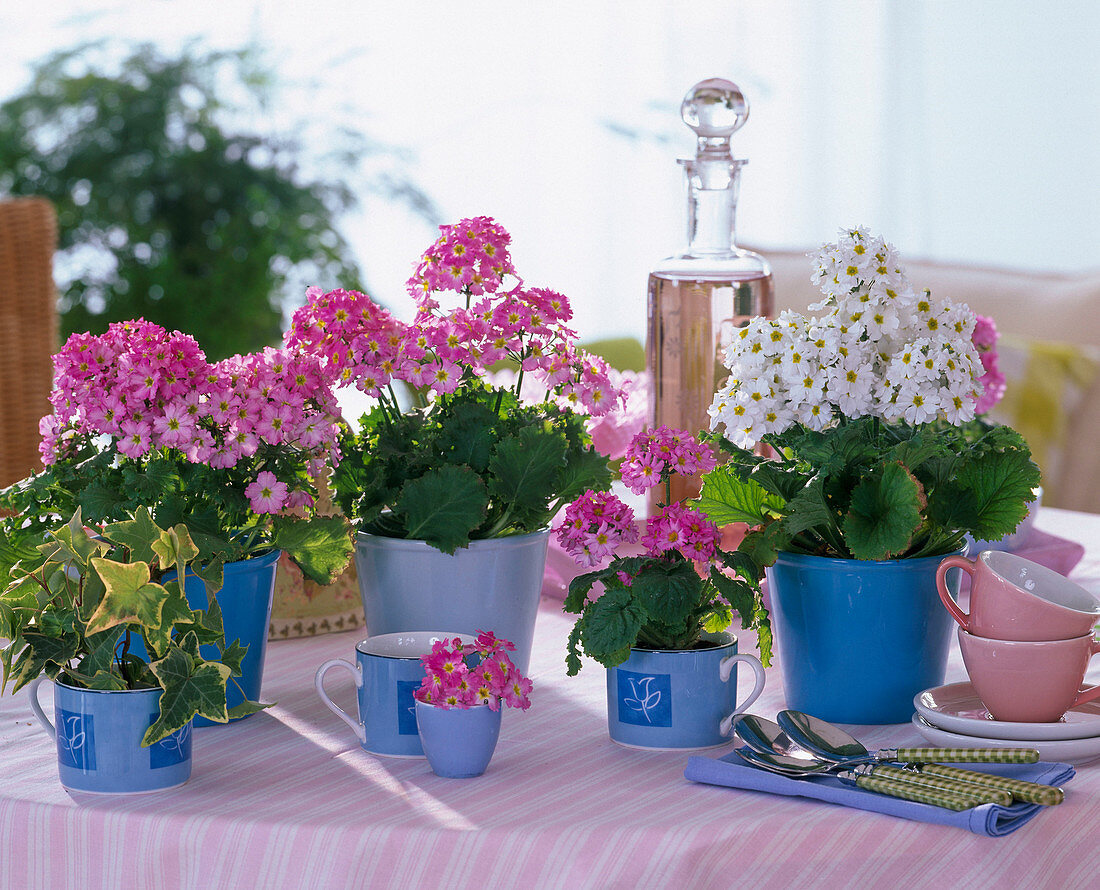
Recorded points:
(176,741)
(645,699)
(72,736)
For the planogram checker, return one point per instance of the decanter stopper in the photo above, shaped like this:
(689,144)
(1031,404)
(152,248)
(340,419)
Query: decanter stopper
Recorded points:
(715,109)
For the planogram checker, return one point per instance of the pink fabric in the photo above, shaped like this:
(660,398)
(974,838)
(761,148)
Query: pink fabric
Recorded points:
(287,799)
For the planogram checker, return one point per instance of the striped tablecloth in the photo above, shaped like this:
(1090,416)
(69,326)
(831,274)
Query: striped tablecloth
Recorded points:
(288,799)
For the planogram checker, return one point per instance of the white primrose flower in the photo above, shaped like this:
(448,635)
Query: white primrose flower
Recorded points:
(879,349)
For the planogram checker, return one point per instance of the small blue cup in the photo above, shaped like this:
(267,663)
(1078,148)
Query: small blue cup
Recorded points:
(386,673)
(98,734)
(459,742)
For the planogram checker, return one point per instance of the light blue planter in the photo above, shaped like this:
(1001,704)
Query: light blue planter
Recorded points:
(492,585)
(669,699)
(98,736)
(858,639)
(245,600)
(458,742)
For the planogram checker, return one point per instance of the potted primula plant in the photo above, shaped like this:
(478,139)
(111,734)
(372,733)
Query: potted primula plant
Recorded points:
(461,699)
(875,475)
(74,609)
(659,625)
(453,482)
(232,448)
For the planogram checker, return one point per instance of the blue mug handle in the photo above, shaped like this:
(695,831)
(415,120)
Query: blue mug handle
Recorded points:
(357,674)
(725,668)
(32,692)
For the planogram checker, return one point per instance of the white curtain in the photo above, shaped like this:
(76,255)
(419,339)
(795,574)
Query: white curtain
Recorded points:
(960,131)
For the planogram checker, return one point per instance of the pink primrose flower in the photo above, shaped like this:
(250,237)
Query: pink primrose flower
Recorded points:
(267,494)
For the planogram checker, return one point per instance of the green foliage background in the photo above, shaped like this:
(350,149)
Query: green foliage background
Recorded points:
(166,211)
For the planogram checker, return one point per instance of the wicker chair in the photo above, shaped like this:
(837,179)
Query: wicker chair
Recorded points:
(28,330)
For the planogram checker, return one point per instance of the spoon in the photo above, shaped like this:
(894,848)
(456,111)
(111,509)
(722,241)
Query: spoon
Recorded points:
(767,738)
(868,777)
(830,742)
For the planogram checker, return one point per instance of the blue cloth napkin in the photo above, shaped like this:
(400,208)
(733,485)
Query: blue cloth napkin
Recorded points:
(990,819)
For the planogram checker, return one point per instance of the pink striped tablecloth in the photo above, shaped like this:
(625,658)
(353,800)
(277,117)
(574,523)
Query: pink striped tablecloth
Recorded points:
(288,799)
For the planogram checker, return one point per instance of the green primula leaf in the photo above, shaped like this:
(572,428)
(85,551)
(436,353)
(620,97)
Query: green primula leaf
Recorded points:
(137,535)
(995,491)
(577,596)
(725,499)
(573,652)
(667,593)
(129,596)
(525,466)
(884,513)
(584,469)
(190,688)
(738,594)
(443,506)
(320,546)
(99,500)
(808,509)
(718,619)
(469,438)
(611,625)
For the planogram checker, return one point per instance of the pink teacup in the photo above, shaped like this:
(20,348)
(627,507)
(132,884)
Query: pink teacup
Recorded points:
(1028,681)
(1012,598)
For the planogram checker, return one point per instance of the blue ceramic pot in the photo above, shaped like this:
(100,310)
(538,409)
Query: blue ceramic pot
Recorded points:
(858,639)
(458,742)
(493,584)
(245,599)
(99,733)
(670,699)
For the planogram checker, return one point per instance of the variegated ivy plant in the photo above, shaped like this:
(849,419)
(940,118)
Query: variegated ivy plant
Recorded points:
(74,605)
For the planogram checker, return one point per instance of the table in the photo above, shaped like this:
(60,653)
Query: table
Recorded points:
(288,799)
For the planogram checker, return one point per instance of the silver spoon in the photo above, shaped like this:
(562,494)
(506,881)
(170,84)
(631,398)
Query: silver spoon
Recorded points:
(767,738)
(832,743)
(884,780)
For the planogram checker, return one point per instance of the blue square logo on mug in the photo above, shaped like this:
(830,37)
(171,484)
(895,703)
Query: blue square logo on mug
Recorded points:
(76,740)
(406,707)
(645,699)
(172,749)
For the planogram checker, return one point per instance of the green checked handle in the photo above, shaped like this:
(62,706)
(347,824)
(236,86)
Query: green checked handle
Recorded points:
(907,791)
(983,793)
(960,755)
(1029,792)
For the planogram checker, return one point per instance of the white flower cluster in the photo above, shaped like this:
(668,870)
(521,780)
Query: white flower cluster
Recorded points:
(881,350)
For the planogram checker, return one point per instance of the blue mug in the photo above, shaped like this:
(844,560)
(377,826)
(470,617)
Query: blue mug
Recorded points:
(98,736)
(386,672)
(672,699)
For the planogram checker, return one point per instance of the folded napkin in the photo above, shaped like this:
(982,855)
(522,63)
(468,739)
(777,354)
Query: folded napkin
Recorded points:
(1051,551)
(992,820)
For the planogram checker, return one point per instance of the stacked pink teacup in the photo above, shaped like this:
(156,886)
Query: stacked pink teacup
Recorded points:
(1028,638)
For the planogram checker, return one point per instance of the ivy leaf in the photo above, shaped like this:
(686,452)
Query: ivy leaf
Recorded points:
(175,611)
(443,506)
(100,649)
(43,653)
(725,498)
(524,466)
(611,625)
(129,596)
(190,687)
(233,655)
(884,513)
(244,708)
(321,546)
(174,547)
(74,543)
(137,535)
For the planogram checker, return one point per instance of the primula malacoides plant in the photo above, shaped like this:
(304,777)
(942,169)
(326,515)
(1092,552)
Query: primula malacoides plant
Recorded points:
(867,409)
(140,417)
(458,675)
(677,583)
(465,460)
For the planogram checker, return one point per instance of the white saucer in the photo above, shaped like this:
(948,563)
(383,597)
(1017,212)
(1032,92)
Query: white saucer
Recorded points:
(1063,751)
(957,708)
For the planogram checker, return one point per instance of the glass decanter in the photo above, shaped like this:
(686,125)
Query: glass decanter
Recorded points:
(699,298)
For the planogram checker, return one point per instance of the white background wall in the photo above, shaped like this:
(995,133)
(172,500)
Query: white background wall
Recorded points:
(962,131)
